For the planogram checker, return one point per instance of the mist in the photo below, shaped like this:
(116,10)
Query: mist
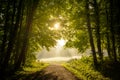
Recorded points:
(58,53)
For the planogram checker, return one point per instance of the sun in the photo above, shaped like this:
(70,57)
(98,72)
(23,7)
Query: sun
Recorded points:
(57,25)
(61,42)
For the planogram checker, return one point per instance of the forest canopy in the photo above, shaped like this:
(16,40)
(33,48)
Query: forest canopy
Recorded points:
(27,26)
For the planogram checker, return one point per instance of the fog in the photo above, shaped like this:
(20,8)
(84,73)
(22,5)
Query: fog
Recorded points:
(62,54)
(58,53)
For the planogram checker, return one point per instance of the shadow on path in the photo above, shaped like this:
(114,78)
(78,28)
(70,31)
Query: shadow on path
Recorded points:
(52,72)
(40,75)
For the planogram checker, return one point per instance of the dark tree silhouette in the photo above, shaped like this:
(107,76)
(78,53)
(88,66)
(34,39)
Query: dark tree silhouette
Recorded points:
(90,33)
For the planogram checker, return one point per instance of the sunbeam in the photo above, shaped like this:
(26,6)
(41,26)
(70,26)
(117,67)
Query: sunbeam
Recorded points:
(61,42)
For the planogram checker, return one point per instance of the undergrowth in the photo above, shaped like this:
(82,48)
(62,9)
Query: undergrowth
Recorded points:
(35,66)
(85,70)
(27,70)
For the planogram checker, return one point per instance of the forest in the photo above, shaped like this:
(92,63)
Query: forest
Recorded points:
(26,26)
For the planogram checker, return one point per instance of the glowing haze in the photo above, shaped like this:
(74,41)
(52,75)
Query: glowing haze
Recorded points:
(61,42)
(57,25)
(58,53)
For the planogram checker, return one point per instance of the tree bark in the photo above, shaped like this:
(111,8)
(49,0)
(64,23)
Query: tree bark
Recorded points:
(5,35)
(31,7)
(112,31)
(108,46)
(107,31)
(90,33)
(97,22)
(12,37)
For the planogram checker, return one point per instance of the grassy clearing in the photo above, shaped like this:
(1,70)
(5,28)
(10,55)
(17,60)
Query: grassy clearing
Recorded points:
(83,68)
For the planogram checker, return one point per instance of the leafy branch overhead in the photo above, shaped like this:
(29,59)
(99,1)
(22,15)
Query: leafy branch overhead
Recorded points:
(28,26)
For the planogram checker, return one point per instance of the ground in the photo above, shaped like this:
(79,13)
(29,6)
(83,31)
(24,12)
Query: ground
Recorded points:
(57,72)
(52,72)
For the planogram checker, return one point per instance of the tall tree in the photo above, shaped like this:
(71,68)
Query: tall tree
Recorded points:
(107,29)
(112,30)
(31,7)
(90,33)
(97,26)
(5,30)
(12,37)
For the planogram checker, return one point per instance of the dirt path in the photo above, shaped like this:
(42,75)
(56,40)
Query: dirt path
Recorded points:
(57,72)
(52,72)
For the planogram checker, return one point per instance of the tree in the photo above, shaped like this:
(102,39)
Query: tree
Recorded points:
(112,31)
(31,7)
(97,26)
(90,33)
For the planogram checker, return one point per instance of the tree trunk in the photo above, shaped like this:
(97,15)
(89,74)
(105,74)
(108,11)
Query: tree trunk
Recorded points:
(12,37)
(19,37)
(5,35)
(97,22)
(90,33)
(108,46)
(31,7)
(107,31)
(112,31)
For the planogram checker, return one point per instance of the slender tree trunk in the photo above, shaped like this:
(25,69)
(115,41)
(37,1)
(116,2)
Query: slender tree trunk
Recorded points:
(116,23)
(108,45)
(97,22)
(90,33)
(19,37)
(112,31)
(107,29)
(5,35)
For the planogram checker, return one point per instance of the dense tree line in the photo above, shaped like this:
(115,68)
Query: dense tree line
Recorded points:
(100,19)
(15,26)
(24,27)
(21,33)
(106,28)
(102,25)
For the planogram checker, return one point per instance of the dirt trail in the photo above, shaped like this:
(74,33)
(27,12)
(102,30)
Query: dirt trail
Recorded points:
(52,72)
(57,72)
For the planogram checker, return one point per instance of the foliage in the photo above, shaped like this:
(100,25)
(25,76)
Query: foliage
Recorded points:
(79,41)
(26,26)
(84,69)
(34,66)
(110,69)
(28,69)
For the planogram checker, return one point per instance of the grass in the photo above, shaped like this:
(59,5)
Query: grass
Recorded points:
(35,66)
(28,71)
(83,68)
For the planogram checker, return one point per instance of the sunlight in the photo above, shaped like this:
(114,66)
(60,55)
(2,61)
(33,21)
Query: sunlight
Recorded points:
(61,42)
(57,59)
(56,25)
